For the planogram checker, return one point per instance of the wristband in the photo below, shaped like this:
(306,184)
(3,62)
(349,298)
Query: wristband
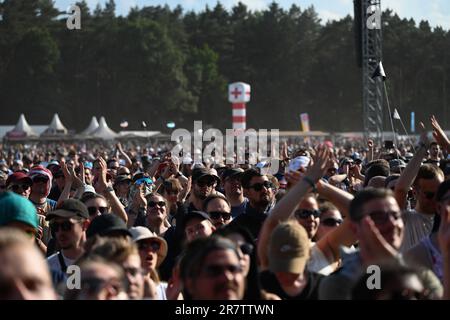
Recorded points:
(309,181)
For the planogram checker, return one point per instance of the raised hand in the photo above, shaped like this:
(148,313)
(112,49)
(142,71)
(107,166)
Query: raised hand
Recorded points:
(321,164)
(439,134)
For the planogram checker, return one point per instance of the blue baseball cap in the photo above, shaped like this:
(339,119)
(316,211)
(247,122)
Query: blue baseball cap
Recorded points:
(14,207)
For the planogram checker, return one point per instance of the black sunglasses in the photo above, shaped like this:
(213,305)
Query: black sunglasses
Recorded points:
(331,222)
(153,204)
(259,186)
(21,187)
(216,215)
(208,183)
(93,210)
(65,226)
(304,214)
(153,245)
(246,248)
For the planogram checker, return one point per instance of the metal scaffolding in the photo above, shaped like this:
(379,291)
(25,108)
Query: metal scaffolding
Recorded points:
(371,56)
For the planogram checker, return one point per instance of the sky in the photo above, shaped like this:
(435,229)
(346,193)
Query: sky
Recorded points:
(437,12)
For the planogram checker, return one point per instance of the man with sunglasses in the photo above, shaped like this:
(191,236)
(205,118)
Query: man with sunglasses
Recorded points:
(376,220)
(204,182)
(233,190)
(330,219)
(258,190)
(68,225)
(219,210)
(20,183)
(210,270)
(425,180)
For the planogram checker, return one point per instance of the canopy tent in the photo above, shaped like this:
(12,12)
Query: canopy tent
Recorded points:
(56,128)
(103,131)
(21,130)
(93,125)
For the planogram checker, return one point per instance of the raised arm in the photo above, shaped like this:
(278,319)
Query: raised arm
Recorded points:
(284,209)
(407,177)
(123,155)
(439,135)
(67,184)
(106,189)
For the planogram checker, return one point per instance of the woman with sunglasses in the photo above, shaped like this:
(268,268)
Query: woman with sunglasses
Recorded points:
(330,219)
(325,254)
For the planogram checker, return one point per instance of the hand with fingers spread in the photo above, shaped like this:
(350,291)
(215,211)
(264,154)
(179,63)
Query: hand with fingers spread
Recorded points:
(321,164)
(439,134)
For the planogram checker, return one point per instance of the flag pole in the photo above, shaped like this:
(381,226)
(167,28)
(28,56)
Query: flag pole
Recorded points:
(390,118)
(406,132)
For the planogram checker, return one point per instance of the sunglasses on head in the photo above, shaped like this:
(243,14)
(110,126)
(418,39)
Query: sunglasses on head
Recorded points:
(153,204)
(331,222)
(65,226)
(215,270)
(259,186)
(304,214)
(152,245)
(146,181)
(93,210)
(216,215)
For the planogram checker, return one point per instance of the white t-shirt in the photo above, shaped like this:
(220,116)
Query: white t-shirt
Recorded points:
(417,227)
(54,265)
(161,291)
(317,262)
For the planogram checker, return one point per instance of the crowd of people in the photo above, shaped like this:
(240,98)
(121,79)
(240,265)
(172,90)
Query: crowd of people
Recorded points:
(131,222)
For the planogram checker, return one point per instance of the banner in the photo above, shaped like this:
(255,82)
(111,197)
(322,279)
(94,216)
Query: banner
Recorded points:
(304,118)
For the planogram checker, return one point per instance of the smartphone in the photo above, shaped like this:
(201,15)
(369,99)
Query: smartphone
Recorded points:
(389,144)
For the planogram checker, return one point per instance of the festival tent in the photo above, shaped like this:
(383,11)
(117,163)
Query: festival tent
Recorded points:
(21,130)
(56,128)
(93,125)
(103,131)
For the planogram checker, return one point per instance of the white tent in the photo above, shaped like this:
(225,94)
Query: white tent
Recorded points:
(93,125)
(103,131)
(21,130)
(55,128)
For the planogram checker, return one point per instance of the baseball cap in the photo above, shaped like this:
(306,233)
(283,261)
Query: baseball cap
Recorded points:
(143,233)
(107,224)
(194,215)
(68,209)
(88,188)
(14,207)
(121,178)
(234,172)
(18,161)
(289,248)
(40,171)
(19,176)
(199,173)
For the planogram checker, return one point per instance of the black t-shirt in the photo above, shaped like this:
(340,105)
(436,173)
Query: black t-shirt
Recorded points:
(252,220)
(269,282)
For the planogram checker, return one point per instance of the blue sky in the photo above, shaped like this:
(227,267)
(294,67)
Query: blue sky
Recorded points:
(437,12)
